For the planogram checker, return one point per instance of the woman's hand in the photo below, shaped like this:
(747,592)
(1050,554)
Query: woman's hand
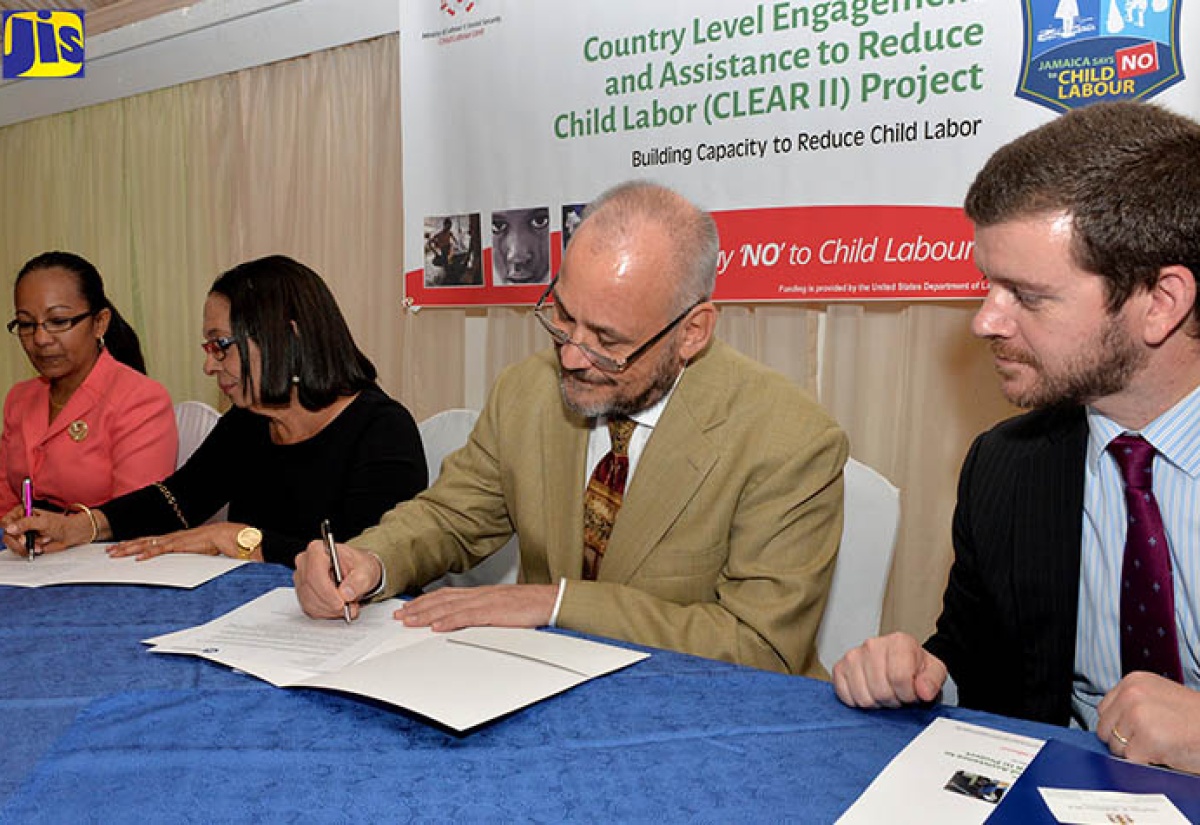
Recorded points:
(55,531)
(218,539)
(12,516)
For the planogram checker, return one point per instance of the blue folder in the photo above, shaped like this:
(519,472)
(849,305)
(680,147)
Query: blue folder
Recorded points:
(1059,765)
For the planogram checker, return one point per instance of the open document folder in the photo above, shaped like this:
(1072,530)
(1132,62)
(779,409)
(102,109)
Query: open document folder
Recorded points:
(90,564)
(460,679)
(1069,784)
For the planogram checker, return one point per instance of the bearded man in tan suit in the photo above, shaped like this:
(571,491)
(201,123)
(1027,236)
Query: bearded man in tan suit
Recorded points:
(725,542)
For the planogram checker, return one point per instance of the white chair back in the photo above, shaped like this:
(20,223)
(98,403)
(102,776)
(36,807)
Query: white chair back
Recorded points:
(872,519)
(195,420)
(441,435)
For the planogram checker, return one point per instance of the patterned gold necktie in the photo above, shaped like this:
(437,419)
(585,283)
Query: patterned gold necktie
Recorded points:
(605,490)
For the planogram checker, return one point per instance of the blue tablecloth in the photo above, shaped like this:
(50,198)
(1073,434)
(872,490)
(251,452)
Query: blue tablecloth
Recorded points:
(97,729)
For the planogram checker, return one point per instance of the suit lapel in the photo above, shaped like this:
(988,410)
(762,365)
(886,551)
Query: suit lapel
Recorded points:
(79,408)
(564,459)
(35,423)
(677,459)
(39,430)
(1047,555)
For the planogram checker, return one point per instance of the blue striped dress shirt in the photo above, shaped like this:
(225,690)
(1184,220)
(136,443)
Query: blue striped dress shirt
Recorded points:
(1176,437)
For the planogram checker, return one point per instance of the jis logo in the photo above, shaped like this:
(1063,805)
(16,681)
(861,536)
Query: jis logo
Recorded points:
(42,44)
(1084,51)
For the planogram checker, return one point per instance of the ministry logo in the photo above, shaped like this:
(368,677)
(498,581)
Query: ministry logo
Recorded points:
(457,21)
(454,8)
(1084,51)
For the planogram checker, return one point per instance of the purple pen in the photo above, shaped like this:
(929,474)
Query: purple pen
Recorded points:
(27,500)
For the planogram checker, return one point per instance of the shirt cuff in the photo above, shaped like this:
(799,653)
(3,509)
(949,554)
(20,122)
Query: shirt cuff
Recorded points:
(562,588)
(379,588)
(949,694)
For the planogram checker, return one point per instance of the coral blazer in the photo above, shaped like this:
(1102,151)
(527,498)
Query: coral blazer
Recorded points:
(116,434)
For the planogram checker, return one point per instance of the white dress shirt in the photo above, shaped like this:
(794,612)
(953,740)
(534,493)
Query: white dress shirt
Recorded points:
(1176,470)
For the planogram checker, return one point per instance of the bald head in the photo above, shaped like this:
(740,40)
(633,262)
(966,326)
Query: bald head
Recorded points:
(639,210)
(633,288)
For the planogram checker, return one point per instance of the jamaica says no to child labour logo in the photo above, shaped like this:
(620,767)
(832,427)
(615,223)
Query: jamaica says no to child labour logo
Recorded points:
(1086,51)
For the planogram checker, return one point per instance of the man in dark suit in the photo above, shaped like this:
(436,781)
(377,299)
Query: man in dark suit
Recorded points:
(1088,230)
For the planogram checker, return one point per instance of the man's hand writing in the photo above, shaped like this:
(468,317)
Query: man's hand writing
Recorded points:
(319,597)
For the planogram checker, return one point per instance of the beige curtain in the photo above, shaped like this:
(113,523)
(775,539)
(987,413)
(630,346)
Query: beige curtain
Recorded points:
(912,388)
(127,185)
(165,190)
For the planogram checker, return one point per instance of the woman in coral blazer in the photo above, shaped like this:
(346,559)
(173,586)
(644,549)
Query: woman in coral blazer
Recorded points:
(91,426)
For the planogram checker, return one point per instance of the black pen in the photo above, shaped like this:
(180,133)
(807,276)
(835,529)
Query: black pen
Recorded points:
(27,500)
(331,549)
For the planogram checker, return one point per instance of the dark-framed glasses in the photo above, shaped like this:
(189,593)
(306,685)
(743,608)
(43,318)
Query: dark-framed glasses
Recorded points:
(602,362)
(218,347)
(55,326)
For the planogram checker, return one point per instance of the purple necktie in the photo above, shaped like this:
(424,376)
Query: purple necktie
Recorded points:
(1148,638)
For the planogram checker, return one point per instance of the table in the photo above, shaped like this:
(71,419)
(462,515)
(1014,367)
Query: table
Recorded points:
(97,729)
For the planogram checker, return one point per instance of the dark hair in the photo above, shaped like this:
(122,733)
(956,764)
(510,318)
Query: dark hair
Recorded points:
(292,316)
(1127,174)
(119,339)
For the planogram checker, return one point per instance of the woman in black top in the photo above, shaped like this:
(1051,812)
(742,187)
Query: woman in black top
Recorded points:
(310,437)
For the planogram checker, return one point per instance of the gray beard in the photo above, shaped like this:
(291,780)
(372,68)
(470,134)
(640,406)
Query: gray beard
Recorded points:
(660,384)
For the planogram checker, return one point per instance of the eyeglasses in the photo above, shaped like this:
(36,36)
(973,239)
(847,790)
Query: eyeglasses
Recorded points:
(217,347)
(604,363)
(54,326)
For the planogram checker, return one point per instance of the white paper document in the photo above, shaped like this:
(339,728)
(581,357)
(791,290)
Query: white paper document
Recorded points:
(272,639)
(90,564)
(460,679)
(1107,807)
(953,773)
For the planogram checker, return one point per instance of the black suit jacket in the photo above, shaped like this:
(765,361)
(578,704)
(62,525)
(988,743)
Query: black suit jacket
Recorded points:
(1007,629)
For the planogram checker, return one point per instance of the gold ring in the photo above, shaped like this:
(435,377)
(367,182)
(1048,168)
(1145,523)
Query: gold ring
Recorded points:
(1117,735)
(154,542)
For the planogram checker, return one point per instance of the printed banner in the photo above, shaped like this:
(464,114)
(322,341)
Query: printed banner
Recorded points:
(833,141)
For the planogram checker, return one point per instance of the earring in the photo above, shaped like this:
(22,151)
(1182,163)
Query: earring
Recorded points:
(295,379)
(100,342)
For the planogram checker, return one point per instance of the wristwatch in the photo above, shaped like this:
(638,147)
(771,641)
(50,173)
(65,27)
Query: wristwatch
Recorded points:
(248,540)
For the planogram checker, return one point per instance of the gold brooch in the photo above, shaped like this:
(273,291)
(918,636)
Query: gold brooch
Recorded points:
(78,430)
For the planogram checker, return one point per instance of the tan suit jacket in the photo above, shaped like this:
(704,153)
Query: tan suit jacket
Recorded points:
(724,546)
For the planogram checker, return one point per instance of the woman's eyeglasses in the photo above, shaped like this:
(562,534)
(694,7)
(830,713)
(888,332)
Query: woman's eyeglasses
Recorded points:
(217,347)
(55,326)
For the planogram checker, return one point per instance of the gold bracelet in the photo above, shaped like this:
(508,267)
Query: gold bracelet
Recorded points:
(162,488)
(83,508)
